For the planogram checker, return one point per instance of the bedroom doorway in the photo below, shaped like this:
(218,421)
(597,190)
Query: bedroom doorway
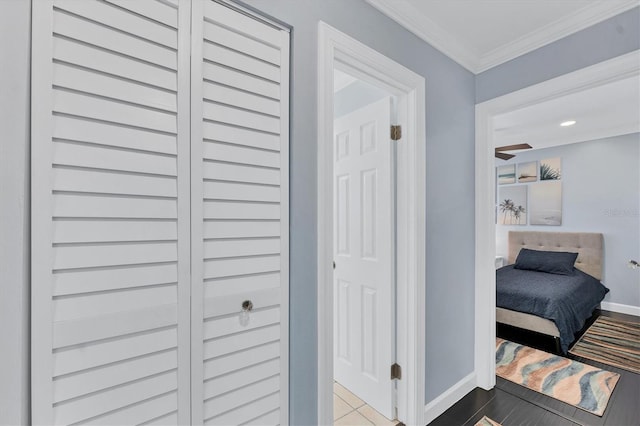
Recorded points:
(606,72)
(337,50)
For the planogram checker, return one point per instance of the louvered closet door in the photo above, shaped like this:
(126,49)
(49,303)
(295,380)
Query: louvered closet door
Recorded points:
(240,217)
(110,212)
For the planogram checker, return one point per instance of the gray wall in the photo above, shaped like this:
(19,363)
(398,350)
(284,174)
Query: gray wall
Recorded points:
(15,29)
(608,39)
(600,193)
(450,190)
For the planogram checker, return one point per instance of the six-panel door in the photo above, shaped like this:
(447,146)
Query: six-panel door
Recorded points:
(363,248)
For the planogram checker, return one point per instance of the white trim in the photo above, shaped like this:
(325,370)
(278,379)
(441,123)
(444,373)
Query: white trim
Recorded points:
(285,308)
(15,172)
(615,69)
(413,20)
(183,141)
(373,67)
(448,398)
(621,308)
(585,17)
(197,214)
(428,30)
(485,250)
(41,213)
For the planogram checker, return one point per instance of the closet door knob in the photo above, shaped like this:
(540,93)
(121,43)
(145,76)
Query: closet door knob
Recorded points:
(247,305)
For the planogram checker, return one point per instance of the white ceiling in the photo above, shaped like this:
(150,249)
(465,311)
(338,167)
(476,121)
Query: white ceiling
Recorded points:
(604,111)
(342,80)
(480,34)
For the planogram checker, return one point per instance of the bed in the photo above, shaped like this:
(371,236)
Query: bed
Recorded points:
(515,307)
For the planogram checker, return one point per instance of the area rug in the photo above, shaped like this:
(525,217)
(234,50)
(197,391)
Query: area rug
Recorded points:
(581,385)
(486,421)
(612,342)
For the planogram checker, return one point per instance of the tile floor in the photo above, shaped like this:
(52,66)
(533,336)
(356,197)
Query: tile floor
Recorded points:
(349,410)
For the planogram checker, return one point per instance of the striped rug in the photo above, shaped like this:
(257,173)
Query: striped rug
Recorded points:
(613,342)
(581,385)
(486,421)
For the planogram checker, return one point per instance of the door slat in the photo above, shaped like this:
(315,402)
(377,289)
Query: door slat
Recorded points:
(75,332)
(121,19)
(235,78)
(79,29)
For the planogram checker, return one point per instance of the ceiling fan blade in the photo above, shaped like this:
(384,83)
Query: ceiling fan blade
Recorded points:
(503,156)
(514,147)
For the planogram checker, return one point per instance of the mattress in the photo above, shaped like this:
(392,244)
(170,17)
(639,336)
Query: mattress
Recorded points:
(566,300)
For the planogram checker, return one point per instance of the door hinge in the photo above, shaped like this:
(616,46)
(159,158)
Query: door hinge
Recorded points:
(396,371)
(396,132)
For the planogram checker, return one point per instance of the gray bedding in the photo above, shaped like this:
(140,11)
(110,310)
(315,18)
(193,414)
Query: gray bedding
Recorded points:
(567,300)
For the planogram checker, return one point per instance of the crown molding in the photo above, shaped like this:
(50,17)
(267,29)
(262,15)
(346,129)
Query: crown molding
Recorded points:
(429,31)
(583,18)
(405,14)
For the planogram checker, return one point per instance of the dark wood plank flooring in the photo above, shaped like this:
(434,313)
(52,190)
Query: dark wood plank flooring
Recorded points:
(513,405)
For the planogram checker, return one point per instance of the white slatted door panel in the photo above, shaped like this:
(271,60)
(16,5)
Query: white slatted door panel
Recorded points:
(240,78)
(110,197)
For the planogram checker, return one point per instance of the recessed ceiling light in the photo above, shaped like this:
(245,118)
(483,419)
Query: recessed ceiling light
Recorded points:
(568,123)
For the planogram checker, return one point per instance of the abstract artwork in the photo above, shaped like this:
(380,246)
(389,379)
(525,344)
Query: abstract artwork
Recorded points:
(528,172)
(506,174)
(546,204)
(550,169)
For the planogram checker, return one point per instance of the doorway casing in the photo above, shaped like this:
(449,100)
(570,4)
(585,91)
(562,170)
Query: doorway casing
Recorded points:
(337,50)
(618,68)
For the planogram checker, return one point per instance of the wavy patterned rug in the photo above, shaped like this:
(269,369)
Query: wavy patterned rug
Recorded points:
(486,421)
(581,385)
(613,342)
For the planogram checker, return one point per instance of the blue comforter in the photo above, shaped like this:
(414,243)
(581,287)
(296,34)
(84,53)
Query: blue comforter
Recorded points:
(567,300)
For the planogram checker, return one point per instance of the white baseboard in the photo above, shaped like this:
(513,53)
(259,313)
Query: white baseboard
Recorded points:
(619,307)
(449,397)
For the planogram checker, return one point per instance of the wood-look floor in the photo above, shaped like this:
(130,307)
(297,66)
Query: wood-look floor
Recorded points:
(511,404)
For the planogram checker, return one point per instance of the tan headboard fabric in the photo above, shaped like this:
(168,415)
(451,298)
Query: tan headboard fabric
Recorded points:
(589,247)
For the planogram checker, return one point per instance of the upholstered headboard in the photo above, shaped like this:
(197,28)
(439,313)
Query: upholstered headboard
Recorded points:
(588,245)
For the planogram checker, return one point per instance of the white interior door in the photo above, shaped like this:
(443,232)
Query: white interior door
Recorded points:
(110,203)
(240,227)
(363,247)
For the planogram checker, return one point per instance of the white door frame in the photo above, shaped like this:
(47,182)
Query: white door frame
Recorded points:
(335,47)
(615,69)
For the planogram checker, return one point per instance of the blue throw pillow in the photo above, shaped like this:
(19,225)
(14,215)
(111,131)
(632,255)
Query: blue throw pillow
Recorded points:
(553,262)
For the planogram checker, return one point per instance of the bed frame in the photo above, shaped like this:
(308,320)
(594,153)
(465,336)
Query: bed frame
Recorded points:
(589,247)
